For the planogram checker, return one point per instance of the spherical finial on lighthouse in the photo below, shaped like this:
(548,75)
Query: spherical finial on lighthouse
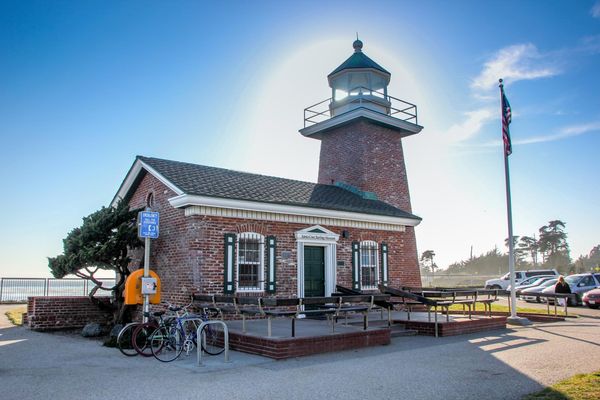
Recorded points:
(357,46)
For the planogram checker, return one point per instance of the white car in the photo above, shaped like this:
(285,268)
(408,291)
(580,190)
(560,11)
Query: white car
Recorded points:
(531,294)
(526,284)
(503,282)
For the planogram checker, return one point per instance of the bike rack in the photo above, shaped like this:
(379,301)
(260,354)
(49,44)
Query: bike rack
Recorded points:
(203,338)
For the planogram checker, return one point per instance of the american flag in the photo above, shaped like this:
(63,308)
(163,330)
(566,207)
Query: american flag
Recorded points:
(506,118)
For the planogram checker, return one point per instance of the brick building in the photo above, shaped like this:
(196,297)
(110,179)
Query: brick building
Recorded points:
(224,231)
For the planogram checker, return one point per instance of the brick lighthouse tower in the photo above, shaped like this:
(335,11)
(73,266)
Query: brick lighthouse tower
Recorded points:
(361,129)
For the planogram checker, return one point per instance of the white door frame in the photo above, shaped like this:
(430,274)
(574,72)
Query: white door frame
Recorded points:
(321,237)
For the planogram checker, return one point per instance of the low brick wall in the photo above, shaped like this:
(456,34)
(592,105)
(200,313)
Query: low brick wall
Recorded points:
(530,316)
(55,313)
(280,349)
(456,327)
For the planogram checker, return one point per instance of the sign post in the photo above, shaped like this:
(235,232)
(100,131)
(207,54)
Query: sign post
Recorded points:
(148,223)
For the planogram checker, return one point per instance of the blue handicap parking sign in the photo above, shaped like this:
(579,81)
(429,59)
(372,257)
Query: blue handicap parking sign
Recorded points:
(148,224)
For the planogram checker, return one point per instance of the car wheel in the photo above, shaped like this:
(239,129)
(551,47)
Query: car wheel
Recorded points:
(594,306)
(538,300)
(495,287)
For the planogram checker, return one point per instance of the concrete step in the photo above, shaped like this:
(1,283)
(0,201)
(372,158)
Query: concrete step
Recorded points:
(400,331)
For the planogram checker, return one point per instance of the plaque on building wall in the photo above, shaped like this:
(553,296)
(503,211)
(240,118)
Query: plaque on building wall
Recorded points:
(340,263)
(286,255)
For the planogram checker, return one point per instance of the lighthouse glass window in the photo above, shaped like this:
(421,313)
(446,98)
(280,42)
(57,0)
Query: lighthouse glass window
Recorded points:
(368,265)
(250,262)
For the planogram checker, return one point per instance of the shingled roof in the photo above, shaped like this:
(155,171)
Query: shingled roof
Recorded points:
(193,179)
(358,60)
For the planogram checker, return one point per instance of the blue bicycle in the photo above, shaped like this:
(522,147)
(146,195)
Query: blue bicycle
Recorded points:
(168,342)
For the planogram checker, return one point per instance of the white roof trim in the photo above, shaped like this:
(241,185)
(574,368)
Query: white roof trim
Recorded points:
(407,128)
(132,175)
(186,200)
(306,235)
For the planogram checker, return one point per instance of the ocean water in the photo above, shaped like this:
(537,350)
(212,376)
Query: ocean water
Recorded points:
(18,289)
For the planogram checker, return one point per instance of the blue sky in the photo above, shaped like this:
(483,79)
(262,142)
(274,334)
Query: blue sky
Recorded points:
(86,86)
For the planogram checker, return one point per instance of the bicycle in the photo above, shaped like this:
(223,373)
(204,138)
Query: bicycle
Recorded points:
(132,339)
(168,343)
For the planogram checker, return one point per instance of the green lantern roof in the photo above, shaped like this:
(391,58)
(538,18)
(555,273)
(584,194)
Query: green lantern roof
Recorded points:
(358,60)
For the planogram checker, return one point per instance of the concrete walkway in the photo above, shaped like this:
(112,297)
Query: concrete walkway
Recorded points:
(503,364)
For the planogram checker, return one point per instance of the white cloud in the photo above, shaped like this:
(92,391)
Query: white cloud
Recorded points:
(595,11)
(471,125)
(590,44)
(566,132)
(514,63)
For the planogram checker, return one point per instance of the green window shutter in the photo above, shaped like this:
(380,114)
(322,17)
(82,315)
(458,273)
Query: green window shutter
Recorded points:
(355,266)
(271,265)
(229,264)
(384,263)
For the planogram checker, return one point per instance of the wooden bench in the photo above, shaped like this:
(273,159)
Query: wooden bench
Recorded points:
(447,299)
(417,297)
(218,303)
(296,309)
(377,302)
(406,304)
(567,296)
(486,297)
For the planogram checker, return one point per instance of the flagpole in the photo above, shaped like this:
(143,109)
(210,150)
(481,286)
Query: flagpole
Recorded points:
(511,245)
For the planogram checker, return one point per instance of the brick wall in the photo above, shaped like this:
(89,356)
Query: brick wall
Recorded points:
(282,348)
(189,254)
(55,313)
(456,327)
(369,157)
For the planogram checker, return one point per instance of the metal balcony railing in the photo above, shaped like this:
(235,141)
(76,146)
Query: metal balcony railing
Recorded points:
(361,96)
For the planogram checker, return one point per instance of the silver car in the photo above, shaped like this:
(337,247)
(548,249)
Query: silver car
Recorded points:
(579,284)
(532,293)
(531,282)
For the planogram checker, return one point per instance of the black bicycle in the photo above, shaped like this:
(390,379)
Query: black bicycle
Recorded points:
(133,338)
(169,342)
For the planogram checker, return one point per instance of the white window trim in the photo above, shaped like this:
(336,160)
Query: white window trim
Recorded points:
(375,246)
(261,251)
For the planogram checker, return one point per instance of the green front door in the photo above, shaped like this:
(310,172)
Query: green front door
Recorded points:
(314,271)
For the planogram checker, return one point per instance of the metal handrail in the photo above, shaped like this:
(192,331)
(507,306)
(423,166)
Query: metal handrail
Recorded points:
(403,110)
(16,290)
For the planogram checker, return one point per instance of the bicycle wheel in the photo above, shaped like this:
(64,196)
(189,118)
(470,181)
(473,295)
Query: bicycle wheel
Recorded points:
(125,339)
(214,342)
(141,338)
(166,344)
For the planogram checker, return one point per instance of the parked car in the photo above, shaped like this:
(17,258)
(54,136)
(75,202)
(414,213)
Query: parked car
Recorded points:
(524,282)
(592,298)
(579,284)
(531,282)
(532,293)
(504,281)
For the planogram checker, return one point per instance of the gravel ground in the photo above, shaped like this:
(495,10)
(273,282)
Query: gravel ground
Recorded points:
(505,364)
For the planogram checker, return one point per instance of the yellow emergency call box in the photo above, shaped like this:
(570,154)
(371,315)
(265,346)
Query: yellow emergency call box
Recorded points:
(133,288)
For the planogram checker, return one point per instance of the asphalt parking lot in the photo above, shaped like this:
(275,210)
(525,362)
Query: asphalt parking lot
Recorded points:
(503,364)
(578,310)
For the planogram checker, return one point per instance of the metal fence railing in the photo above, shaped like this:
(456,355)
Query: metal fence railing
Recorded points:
(17,290)
(361,96)
(455,280)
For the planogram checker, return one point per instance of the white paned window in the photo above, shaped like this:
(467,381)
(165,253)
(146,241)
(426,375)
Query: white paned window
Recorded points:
(369,271)
(250,262)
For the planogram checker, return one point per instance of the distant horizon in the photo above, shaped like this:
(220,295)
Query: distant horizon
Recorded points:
(87,86)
